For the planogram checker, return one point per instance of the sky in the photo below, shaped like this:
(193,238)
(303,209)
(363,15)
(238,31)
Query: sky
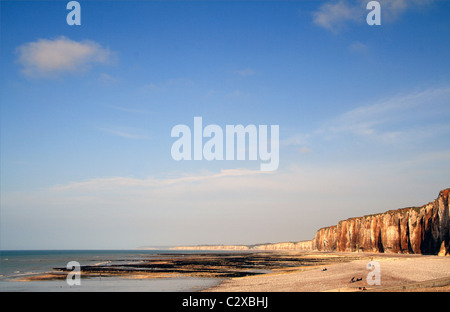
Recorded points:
(87,113)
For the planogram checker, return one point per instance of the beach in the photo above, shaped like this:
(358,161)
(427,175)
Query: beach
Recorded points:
(398,272)
(234,271)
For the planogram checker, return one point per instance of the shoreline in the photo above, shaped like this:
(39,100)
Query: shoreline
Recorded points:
(219,266)
(271,271)
(398,272)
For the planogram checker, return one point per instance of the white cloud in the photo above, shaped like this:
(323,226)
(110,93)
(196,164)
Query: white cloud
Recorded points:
(44,57)
(333,16)
(392,9)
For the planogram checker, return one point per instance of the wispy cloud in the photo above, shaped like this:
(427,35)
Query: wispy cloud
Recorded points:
(169,84)
(106,79)
(115,183)
(48,58)
(295,140)
(369,120)
(126,132)
(305,150)
(393,9)
(336,15)
(400,118)
(358,47)
(245,72)
(131,110)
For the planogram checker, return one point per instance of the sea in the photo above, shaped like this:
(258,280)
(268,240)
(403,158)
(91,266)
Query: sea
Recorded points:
(16,264)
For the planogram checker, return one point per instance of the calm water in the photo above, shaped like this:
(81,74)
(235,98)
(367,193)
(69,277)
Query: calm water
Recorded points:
(16,264)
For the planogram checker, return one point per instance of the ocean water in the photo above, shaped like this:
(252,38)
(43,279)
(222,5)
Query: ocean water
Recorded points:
(23,263)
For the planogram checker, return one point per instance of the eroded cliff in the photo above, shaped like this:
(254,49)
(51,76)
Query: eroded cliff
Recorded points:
(418,230)
(415,230)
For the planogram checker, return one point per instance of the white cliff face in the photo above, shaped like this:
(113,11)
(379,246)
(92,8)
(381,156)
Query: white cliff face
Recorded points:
(304,245)
(212,247)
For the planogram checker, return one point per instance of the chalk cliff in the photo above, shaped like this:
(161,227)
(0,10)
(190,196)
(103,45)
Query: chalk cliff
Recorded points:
(418,230)
(414,230)
(303,245)
(212,247)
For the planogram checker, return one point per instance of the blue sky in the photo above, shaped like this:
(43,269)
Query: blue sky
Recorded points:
(87,112)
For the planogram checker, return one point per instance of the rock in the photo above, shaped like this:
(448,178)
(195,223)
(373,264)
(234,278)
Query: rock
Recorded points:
(444,251)
(418,230)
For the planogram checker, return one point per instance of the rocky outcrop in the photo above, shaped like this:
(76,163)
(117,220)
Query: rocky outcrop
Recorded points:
(418,230)
(414,230)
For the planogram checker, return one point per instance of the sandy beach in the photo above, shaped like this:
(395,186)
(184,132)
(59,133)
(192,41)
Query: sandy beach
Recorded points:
(275,271)
(397,273)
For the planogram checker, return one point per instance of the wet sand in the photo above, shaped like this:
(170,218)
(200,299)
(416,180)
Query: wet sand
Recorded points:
(281,271)
(222,265)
